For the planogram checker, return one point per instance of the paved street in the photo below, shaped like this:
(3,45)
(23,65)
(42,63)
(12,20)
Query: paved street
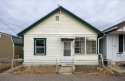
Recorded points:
(12,77)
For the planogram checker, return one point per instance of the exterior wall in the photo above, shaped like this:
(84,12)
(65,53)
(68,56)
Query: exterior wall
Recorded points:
(18,50)
(53,31)
(121,29)
(6,47)
(112,48)
(65,25)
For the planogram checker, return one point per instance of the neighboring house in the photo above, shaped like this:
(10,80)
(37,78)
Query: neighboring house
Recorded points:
(10,46)
(63,36)
(113,43)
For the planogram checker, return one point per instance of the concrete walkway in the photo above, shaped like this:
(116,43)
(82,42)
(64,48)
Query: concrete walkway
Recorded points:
(118,69)
(12,77)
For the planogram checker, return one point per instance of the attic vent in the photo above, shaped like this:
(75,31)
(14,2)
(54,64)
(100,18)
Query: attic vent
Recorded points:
(57,18)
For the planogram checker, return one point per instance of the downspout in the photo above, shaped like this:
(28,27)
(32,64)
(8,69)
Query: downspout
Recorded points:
(102,59)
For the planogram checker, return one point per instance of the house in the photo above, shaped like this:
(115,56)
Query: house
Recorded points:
(60,36)
(10,46)
(113,43)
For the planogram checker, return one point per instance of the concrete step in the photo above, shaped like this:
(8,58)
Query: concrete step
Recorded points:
(66,64)
(66,70)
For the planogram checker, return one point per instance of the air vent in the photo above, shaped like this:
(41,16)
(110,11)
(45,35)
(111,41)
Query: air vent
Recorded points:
(57,18)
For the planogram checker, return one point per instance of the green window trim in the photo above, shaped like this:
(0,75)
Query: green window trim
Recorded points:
(35,46)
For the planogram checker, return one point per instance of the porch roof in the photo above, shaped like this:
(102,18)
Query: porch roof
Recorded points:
(67,38)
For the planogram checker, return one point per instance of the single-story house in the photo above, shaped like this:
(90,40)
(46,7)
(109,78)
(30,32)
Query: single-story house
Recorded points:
(113,43)
(10,46)
(61,36)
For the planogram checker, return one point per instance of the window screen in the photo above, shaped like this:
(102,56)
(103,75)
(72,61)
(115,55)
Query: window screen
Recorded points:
(40,46)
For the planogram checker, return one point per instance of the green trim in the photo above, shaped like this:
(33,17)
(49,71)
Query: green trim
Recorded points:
(66,11)
(23,48)
(35,45)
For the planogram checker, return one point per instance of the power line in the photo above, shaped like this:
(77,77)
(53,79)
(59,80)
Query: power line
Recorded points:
(112,21)
(12,24)
(7,25)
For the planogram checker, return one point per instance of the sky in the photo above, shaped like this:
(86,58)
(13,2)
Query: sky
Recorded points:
(16,15)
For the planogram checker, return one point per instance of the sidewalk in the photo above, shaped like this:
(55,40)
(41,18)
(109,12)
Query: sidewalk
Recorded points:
(13,77)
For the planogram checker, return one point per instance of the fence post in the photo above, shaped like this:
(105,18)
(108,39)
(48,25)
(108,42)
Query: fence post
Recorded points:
(0,66)
(12,65)
(56,66)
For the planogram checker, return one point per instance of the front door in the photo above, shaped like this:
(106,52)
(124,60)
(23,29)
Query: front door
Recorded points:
(67,51)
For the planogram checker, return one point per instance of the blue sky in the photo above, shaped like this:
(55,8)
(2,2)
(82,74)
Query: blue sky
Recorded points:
(15,15)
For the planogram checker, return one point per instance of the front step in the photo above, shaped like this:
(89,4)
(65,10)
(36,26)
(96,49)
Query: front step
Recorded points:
(66,64)
(66,70)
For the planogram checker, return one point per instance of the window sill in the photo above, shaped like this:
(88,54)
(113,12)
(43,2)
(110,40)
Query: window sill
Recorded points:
(39,55)
(120,53)
(85,54)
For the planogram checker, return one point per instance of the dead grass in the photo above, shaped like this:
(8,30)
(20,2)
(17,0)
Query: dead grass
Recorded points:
(36,70)
(93,70)
(50,70)
(7,65)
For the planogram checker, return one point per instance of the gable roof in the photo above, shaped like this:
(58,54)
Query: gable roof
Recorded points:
(60,8)
(113,28)
(16,40)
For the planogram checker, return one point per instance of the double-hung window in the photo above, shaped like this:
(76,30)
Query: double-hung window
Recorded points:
(40,46)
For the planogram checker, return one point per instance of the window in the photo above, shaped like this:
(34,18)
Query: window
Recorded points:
(40,46)
(57,18)
(124,43)
(85,45)
(90,45)
(80,45)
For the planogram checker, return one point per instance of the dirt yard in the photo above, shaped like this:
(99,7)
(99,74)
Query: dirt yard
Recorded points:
(93,70)
(36,70)
(79,70)
(7,65)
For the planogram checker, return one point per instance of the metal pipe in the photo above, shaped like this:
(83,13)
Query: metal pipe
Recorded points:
(102,59)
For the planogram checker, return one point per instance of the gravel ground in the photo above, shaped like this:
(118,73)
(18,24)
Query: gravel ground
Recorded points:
(13,77)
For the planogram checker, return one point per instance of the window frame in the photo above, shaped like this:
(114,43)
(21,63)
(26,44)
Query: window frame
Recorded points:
(85,48)
(90,42)
(123,43)
(42,54)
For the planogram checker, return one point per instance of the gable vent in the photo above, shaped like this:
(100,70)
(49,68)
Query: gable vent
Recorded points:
(57,18)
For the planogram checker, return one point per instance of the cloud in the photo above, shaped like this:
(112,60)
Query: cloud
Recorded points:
(21,13)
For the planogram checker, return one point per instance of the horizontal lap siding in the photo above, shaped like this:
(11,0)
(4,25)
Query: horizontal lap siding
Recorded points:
(53,31)
(86,59)
(53,48)
(112,48)
(65,25)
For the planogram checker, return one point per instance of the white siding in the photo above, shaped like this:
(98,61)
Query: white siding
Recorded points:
(103,46)
(53,31)
(109,47)
(112,48)
(121,29)
(65,25)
